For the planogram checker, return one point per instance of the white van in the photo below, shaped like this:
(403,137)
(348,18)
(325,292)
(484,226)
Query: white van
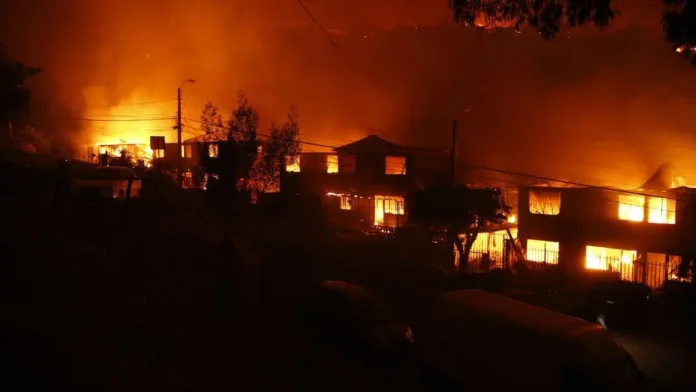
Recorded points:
(481,341)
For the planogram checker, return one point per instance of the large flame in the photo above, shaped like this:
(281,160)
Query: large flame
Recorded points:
(131,119)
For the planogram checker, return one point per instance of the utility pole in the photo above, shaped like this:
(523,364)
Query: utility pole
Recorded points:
(180,159)
(180,153)
(453,152)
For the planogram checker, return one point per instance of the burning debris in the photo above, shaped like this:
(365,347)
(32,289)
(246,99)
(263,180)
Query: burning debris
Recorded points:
(132,154)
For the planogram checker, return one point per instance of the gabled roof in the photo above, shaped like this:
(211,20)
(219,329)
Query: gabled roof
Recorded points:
(371,143)
(664,179)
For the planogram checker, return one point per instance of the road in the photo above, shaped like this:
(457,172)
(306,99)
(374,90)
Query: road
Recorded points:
(666,353)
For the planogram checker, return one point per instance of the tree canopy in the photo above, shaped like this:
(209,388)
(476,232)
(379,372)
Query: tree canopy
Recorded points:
(548,17)
(462,211)
(211,123)
(243,122)
(282,146)
(545,16)
(679,26)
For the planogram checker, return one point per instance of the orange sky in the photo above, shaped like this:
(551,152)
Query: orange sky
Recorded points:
(592,106)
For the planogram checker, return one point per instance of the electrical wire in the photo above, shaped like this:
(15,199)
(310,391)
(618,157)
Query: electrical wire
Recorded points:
(123,119)
(131,104)
(316,23)
(491,169)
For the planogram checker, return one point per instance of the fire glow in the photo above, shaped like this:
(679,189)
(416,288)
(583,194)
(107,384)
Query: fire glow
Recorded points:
(127,125)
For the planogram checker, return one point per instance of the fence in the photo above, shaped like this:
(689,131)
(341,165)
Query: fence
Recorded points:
(652,271)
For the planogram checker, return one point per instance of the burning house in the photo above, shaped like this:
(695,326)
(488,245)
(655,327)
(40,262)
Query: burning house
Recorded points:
(641,235)
(367,180)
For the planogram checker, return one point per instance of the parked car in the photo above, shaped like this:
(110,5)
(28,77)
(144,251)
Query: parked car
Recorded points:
(108,183)
(482,341)
(349,315)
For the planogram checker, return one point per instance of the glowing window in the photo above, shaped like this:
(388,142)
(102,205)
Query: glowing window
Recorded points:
(611,259)
(542,251)
(332,163)
(661,210)
(387,205)
(544,202)
(292,165)
(158,153)
(395,165)
(346,203)
(346,163)
(212,150)
(186,151)
(632,208)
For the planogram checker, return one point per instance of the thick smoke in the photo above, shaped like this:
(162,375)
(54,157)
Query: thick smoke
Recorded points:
(601,107)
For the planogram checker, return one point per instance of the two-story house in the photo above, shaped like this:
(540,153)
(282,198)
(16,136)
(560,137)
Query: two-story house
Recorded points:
(368,179)
(641,235)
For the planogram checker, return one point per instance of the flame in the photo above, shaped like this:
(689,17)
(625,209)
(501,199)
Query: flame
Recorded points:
(606,259)
(484,21)
(292,166)
(127,124)
(631,208)
(681,49)
(332,163)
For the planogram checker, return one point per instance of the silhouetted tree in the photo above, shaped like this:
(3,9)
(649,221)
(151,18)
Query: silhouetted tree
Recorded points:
(462,211)
(15,96)
(283,146)
(244,121)
(679,26)
(241,130)
(549,16)
(285,140)
(236,142)
(212,124)
(545,16)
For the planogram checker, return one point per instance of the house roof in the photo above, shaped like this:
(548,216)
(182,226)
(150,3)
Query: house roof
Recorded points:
(665,178)
(371,143)
(199,139)
(475,177)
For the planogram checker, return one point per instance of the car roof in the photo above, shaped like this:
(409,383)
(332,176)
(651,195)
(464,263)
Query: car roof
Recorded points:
(347,290)
(585,342)
(514,311)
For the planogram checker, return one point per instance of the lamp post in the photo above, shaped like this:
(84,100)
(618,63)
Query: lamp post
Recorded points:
(180,166)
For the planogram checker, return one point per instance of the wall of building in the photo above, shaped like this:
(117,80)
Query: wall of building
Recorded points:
(589,216)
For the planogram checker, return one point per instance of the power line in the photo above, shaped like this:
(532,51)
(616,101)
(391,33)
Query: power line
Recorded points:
(130,104)
(550,179)
(512,183)
(123,119)
(316,23)
(486,168)
(266,136)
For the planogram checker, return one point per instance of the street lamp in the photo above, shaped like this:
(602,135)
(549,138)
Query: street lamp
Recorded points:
(180,167)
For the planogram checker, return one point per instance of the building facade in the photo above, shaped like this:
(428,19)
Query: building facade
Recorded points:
(642,236)
(367,180)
